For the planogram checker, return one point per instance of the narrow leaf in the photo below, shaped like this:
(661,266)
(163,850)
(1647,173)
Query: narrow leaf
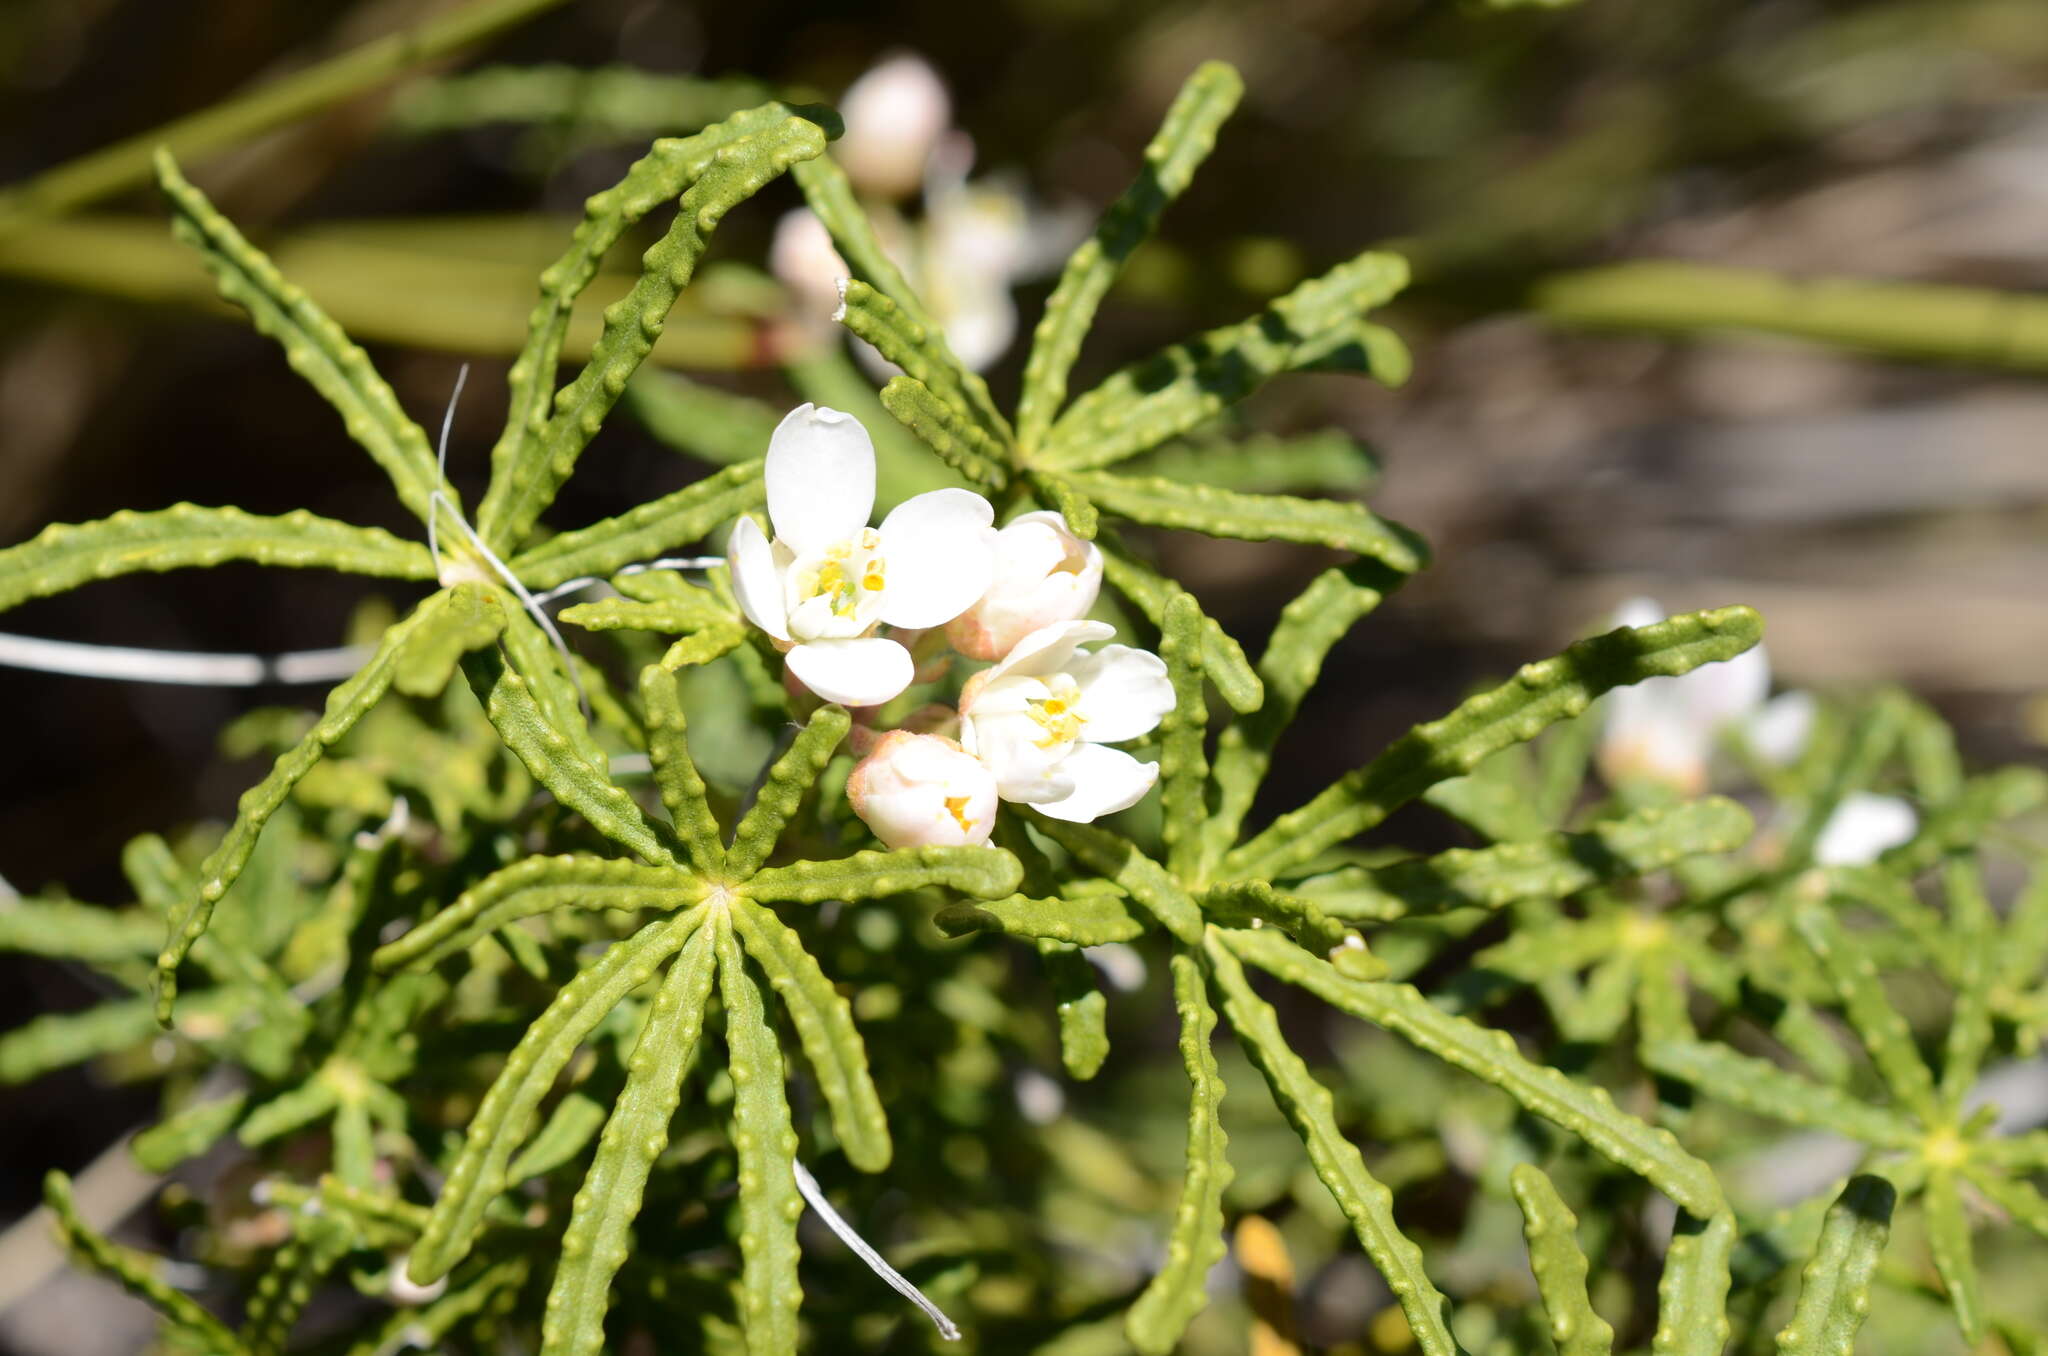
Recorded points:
(765,1142)
(654,528)
(186,536)
(983,872)
(1309,1107)
(1172,392)
(136,1272)
(1948,1238)
(1540,695)
(1183,759)
(675,772)
(1081,1006)
(1174,1296)
(1877,1020)
(788,780)
(1082,918)
(187,1133)
(313,344)
(568,1129)
(1182,143)
(1560,1267)
(824,1025)
(596,1243)
(1692,1294)
(1118,860)
(547,752)
(1335,523)
(537,885)
(948,430)
(1834,1289)
(920,350)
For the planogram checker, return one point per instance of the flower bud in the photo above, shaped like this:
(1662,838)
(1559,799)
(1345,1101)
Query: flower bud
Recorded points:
(921,790)
(894,115)
(1045,575)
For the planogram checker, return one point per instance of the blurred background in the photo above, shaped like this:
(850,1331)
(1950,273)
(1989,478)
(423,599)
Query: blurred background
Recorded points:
(1714,302)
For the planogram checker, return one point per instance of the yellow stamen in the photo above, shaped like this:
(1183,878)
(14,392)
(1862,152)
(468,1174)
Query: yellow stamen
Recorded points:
(956,806)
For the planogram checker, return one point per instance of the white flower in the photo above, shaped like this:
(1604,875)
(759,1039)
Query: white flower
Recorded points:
(803,258)
(1862,828)
(894,116)
(922,790)
(828,580)
(1044,575)
(1665,729)
(1040,721)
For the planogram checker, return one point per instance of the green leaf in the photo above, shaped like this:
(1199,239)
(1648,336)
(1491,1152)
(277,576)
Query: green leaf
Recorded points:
(1877,1020)
(313,344)
(293,1109)
(596,1243)
(537,885)
(1328,460)
(1550,867)
(1948,1238)
(1648,1151)
(675,772)
(830,196)
(1183,761)
(1517,711)
(1118,860)
(1762,1087)
(793,774)
(135,1272)
(546,751)
(1692,1294)
(1309,1107)
(1222,658)
(530,464)
(345,706)
(1559,1266)
(186,1133)
(919,348)
(660,525)
(1080,514)
(1311,623)
(286,1285)
(1253,903)
(1172,392)
(765,1143)
(56,1040)
(1960,825)
(505,1118)
(824,1025)
(1335,523)
(948,430)
(1081,1006)
(2020,1200)
(1834,1289)
(983,872)
(186,536)
(1184,140)
(1082,918)
(571,1126)
(1174,1296)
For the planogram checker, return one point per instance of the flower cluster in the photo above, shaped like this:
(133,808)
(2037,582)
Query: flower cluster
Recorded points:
(1034,727)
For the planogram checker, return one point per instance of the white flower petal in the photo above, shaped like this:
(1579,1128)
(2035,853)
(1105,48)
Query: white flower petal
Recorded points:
(1729,691)
(1124,693)
(820,475)
(940,549)
(1639,612)
(755,580)
(1863,827)
(894,115)
(1105,781)
(1049,648)
(861,672)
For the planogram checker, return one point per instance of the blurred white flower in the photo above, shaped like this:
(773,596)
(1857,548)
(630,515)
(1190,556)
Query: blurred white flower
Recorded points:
(828,580)
(922,790)
(1780,728)
(1041,721)
(1044,575)
(1862,828)
(894,114)
(1665,729)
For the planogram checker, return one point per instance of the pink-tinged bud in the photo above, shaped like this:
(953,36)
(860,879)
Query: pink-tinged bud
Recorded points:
(1044,575)
(894,115)
(921,790)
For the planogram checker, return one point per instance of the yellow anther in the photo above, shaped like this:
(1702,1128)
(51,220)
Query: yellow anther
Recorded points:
(956,806)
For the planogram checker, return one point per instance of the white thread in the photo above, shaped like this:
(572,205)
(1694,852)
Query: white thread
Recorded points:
(181,666)
(438,500)
(665,563)
(808,1185)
